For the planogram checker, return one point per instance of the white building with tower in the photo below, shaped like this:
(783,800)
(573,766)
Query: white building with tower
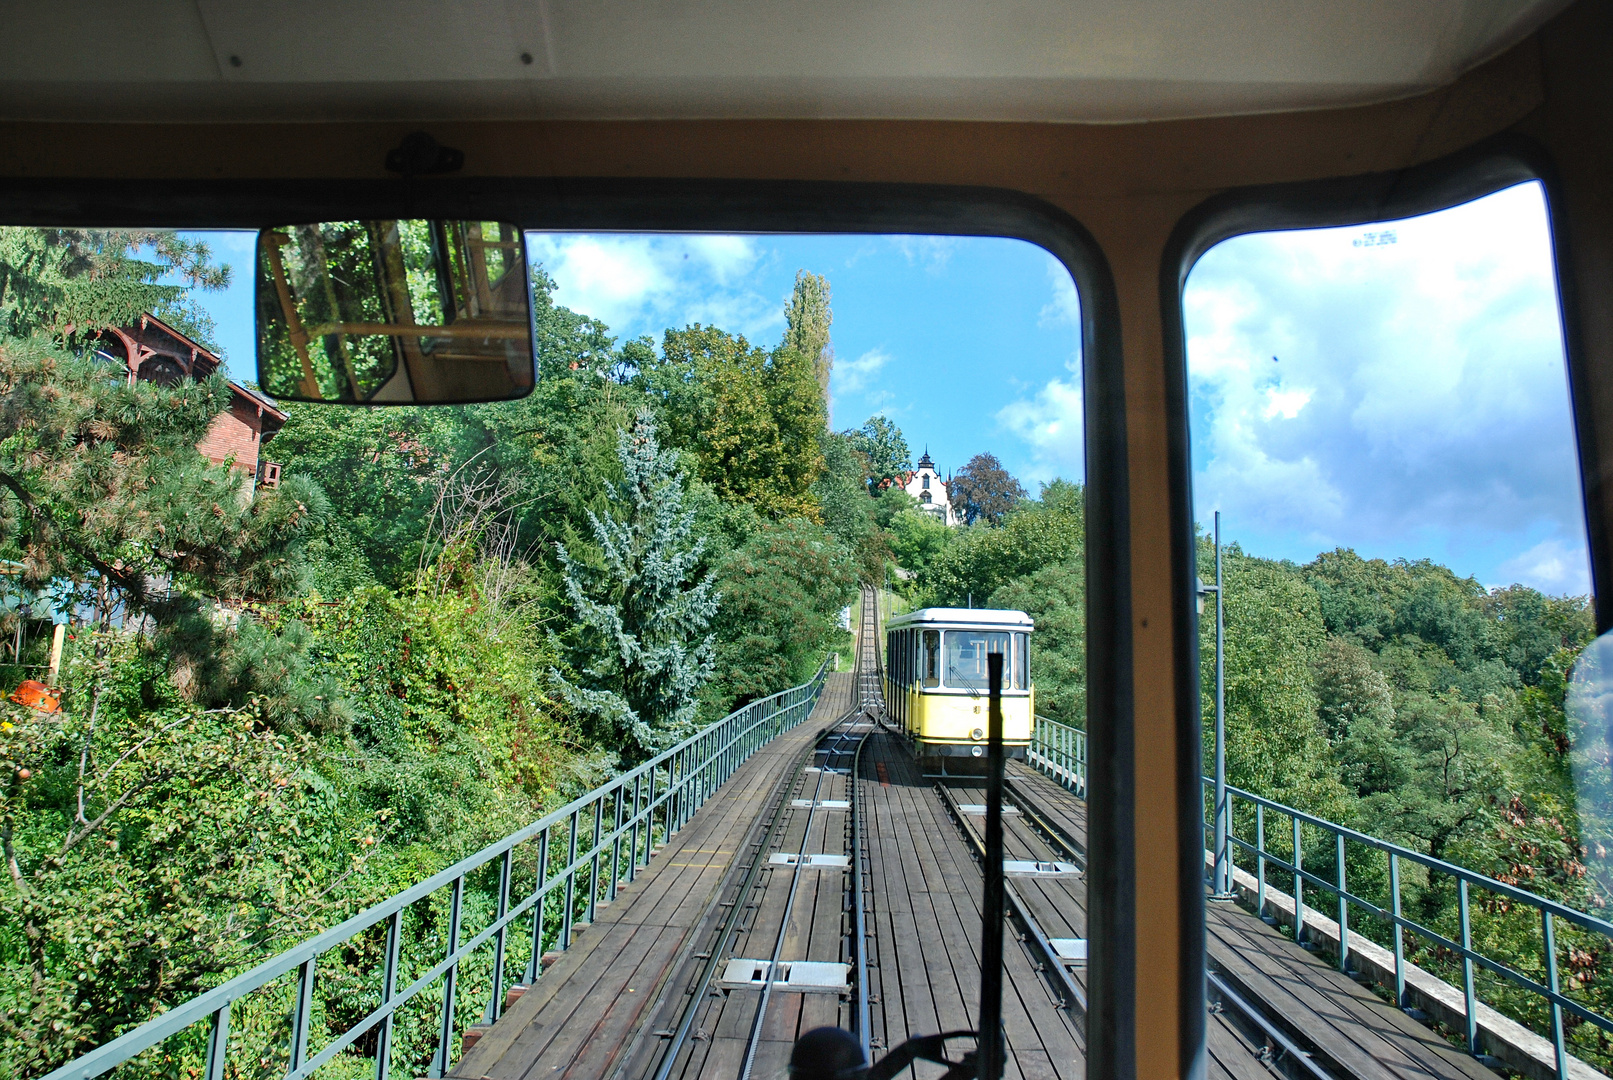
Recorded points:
(925,485)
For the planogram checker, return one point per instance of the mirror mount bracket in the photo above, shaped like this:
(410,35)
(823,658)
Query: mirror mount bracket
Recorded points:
(421,155)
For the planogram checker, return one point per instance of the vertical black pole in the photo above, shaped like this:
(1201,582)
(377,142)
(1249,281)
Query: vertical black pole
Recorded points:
(991,947)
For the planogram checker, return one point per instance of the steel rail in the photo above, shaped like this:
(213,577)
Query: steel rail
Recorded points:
(859,926)
(1052,964)
(720,947)
(1298,1056)
(859,677)
(1046,823)
(691,1009)
(755,1038)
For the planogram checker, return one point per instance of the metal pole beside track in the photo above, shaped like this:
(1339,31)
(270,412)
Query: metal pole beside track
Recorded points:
(1222,887)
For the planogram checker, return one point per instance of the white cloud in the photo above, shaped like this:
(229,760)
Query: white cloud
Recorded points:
(642,284)
(1052,426)
(1285,403)
(852,376)
(1551,566)
(931,252)
(1064,309)
(1387,395)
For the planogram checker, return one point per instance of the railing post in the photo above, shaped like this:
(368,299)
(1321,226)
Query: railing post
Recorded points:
(571,883)
(1549,932)
(534,966)
(593,842)
(303,1017)
(1344,909)
(1299,888)
(218,1044)
(632,861)
(1469,1002)
(495,1007)
(1260,859)
(445,1039)
(1400,940)
(616,842)
(389,986)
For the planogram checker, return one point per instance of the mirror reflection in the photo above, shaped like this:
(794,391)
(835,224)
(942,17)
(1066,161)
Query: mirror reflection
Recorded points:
(394,312)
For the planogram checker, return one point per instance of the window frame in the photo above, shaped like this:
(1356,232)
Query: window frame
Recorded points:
(1360,200)
(612,204)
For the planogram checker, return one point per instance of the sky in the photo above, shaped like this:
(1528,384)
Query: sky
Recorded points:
(1398,389)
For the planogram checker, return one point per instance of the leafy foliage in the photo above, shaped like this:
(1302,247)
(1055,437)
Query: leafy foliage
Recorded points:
(751,418)
(807,318)
(881,442)
(640,651)
(68,284)
(983,491)
(782,594)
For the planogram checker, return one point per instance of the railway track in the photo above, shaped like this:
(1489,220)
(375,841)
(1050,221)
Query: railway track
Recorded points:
(1045,890)
(788,944)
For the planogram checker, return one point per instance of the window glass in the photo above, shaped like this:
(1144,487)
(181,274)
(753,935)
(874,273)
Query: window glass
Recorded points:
(966,652)
(1381,426)
(932,658)
(1022,678)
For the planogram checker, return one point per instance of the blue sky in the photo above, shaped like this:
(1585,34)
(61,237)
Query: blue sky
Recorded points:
(1417,407)
(1418,403)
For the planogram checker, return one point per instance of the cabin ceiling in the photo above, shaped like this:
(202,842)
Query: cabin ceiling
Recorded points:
(1027,60)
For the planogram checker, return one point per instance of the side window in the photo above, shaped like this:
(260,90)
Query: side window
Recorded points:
(932,658)
(1391,535)
(1022,678)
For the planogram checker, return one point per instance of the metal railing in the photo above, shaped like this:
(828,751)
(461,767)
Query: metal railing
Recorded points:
(1550,913)
(1060,751)
(615,826)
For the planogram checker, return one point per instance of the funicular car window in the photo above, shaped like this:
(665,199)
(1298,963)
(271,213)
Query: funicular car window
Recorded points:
(398,543)
(1383,448)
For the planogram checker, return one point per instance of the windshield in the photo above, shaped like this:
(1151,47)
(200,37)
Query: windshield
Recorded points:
(966,652)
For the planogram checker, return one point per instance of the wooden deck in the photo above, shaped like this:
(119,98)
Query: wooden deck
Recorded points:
(585,1016)
(1349,1031)
(926,922)
(604,1008)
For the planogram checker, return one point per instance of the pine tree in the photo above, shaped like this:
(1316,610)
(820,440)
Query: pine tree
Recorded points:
(640,648)
(807,322)
(101,485)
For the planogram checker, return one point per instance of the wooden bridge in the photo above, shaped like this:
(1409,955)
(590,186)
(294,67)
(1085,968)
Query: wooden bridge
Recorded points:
(827,853)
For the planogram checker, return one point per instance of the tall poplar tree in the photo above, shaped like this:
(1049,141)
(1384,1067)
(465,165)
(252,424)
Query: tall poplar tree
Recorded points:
(640,652)
(807,320)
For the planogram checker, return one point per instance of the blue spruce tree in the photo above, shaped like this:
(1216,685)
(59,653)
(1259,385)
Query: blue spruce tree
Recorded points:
(640,651)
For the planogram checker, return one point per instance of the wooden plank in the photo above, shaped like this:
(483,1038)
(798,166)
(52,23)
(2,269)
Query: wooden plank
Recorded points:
(1351,1012)
(650,923)
(1234,1056)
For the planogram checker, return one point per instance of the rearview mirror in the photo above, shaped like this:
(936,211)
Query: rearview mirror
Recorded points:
(394,312)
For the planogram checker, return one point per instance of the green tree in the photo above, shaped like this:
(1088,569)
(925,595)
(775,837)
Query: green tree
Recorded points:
(1274,635)
(983,491)
(917,539)
(753,419)
(69,284)
(103,487)
(1055,596)
(807,319)
(979,560)
(881,442)
(640,652)
(848,512)
(782,594)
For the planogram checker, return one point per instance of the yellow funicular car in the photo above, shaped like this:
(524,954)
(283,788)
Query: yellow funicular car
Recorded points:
(935,682)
